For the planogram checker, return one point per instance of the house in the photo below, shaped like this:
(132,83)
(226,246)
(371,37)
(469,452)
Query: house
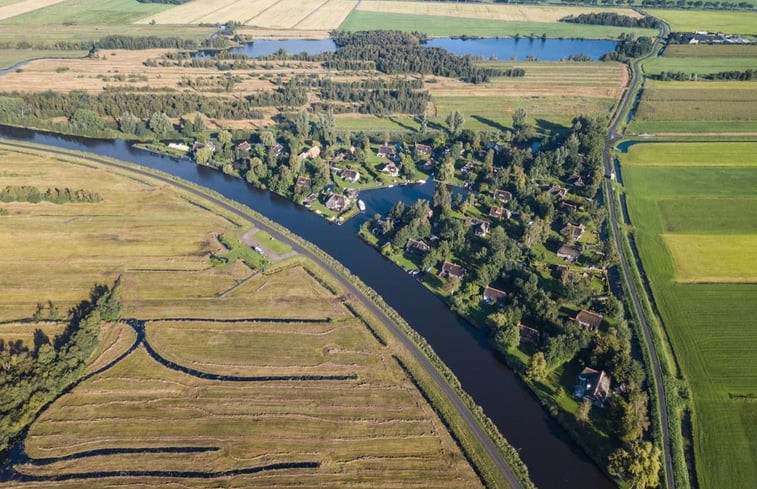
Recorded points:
(528,334)
(337,202)
(557,192)
(390,168)
(313,152)
(451,270)
(481,229)
(414,247)
(422,150)
(309,200)
(593,385)
(387,152)
(493,296)
(277,149)
(179,146)
(429,165)
(576,181)
(503,196)
(568,206)
(500,212)
(351,193)
(470,166)
(339,156)
(573,231)
(589,320)
(559,270)
(302,182)
(244,146)
(569,253)
(351,176)
(198,145)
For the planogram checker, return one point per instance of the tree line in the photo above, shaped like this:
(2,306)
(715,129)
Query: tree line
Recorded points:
(628,47)
(26,193)
(612,18)
(35,375)
(378,97)
(746,75)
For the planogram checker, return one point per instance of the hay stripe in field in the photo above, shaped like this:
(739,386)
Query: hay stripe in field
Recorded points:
(25,6)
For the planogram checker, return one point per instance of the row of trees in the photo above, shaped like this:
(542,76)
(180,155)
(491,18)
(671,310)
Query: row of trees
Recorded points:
(612,18)
(746,75)
(34,375)
(26,193)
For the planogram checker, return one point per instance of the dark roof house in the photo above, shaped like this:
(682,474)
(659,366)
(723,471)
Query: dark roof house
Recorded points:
(390,168)
(244,146)
(593,385)
(386,152)
(414,247)
(500,212)
(422,150)
(589,320)
(451,270)
(503,196)
(573,231)
(302,182)
(337,202)
(557,192)
(492,295)
(569,253)
(351,176)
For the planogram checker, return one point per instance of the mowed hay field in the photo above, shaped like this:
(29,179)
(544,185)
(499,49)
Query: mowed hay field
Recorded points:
(303,386)
(269,14)
(697,107)
(86,12)
(696,230)
(12,8)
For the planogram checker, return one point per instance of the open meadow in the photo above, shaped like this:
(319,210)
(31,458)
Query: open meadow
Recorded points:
(12,8)
(86,12)
(222,374)
(727,21)
(695,227)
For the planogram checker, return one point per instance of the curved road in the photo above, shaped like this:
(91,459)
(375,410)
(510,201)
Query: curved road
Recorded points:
(612,138)
(481,436)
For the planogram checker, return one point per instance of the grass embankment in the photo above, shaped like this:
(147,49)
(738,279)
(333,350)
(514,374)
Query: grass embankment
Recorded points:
(444,26)
(10,57)
(375,430)
(709,323)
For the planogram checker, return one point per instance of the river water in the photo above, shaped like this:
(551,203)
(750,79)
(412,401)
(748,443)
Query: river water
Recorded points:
(501,48)
(553,459)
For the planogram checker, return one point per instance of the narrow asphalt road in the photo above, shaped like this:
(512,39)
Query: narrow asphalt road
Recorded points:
(481,436)
(612,138)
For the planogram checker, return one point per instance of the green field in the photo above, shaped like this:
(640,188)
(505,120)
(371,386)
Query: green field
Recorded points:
(710,154)
(365,425)
(730,22)
(442,26)
(714,107)
(89,12)
(711,50)
(9,57)
(50,35)
(703,65)
(711,326)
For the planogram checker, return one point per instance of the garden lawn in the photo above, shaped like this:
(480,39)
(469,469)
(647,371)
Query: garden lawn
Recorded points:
(711,325)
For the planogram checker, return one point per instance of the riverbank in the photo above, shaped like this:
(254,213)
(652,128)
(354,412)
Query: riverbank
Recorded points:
(436,379)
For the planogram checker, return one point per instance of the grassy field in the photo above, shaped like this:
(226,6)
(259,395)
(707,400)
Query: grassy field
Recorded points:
(89,12)
(442,26)
(9,57)
(268,14)
(710,325)
(49,35)
(677,154)
(711,50)
(703,65)
(730,22)
(371,428)
(14,8)
(719,106)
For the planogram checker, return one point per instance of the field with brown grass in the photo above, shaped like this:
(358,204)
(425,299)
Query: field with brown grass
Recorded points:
(220,375)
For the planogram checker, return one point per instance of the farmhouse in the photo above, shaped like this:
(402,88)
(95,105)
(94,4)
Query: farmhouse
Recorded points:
(302,182)
(500,212)
(503,196)
(422,150)
(351,176)
(493,296)
(589,320)
(390,168)
(313,152)
(557,192)
(414,247)
(337,203)
(451,270)
(569,253)
(593,385)
(572,231)
(528,334)
(387,152)
(244,146)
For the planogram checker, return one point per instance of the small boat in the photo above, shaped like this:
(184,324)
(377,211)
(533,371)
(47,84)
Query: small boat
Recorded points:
(361,205)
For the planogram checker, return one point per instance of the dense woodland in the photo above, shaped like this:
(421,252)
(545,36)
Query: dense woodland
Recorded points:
(629,47)
(35,375)
(395,52)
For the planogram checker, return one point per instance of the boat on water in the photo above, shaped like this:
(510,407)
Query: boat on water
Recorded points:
(361,205)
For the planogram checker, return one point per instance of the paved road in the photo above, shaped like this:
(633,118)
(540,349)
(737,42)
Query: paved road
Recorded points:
(481,436)
(612,138)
